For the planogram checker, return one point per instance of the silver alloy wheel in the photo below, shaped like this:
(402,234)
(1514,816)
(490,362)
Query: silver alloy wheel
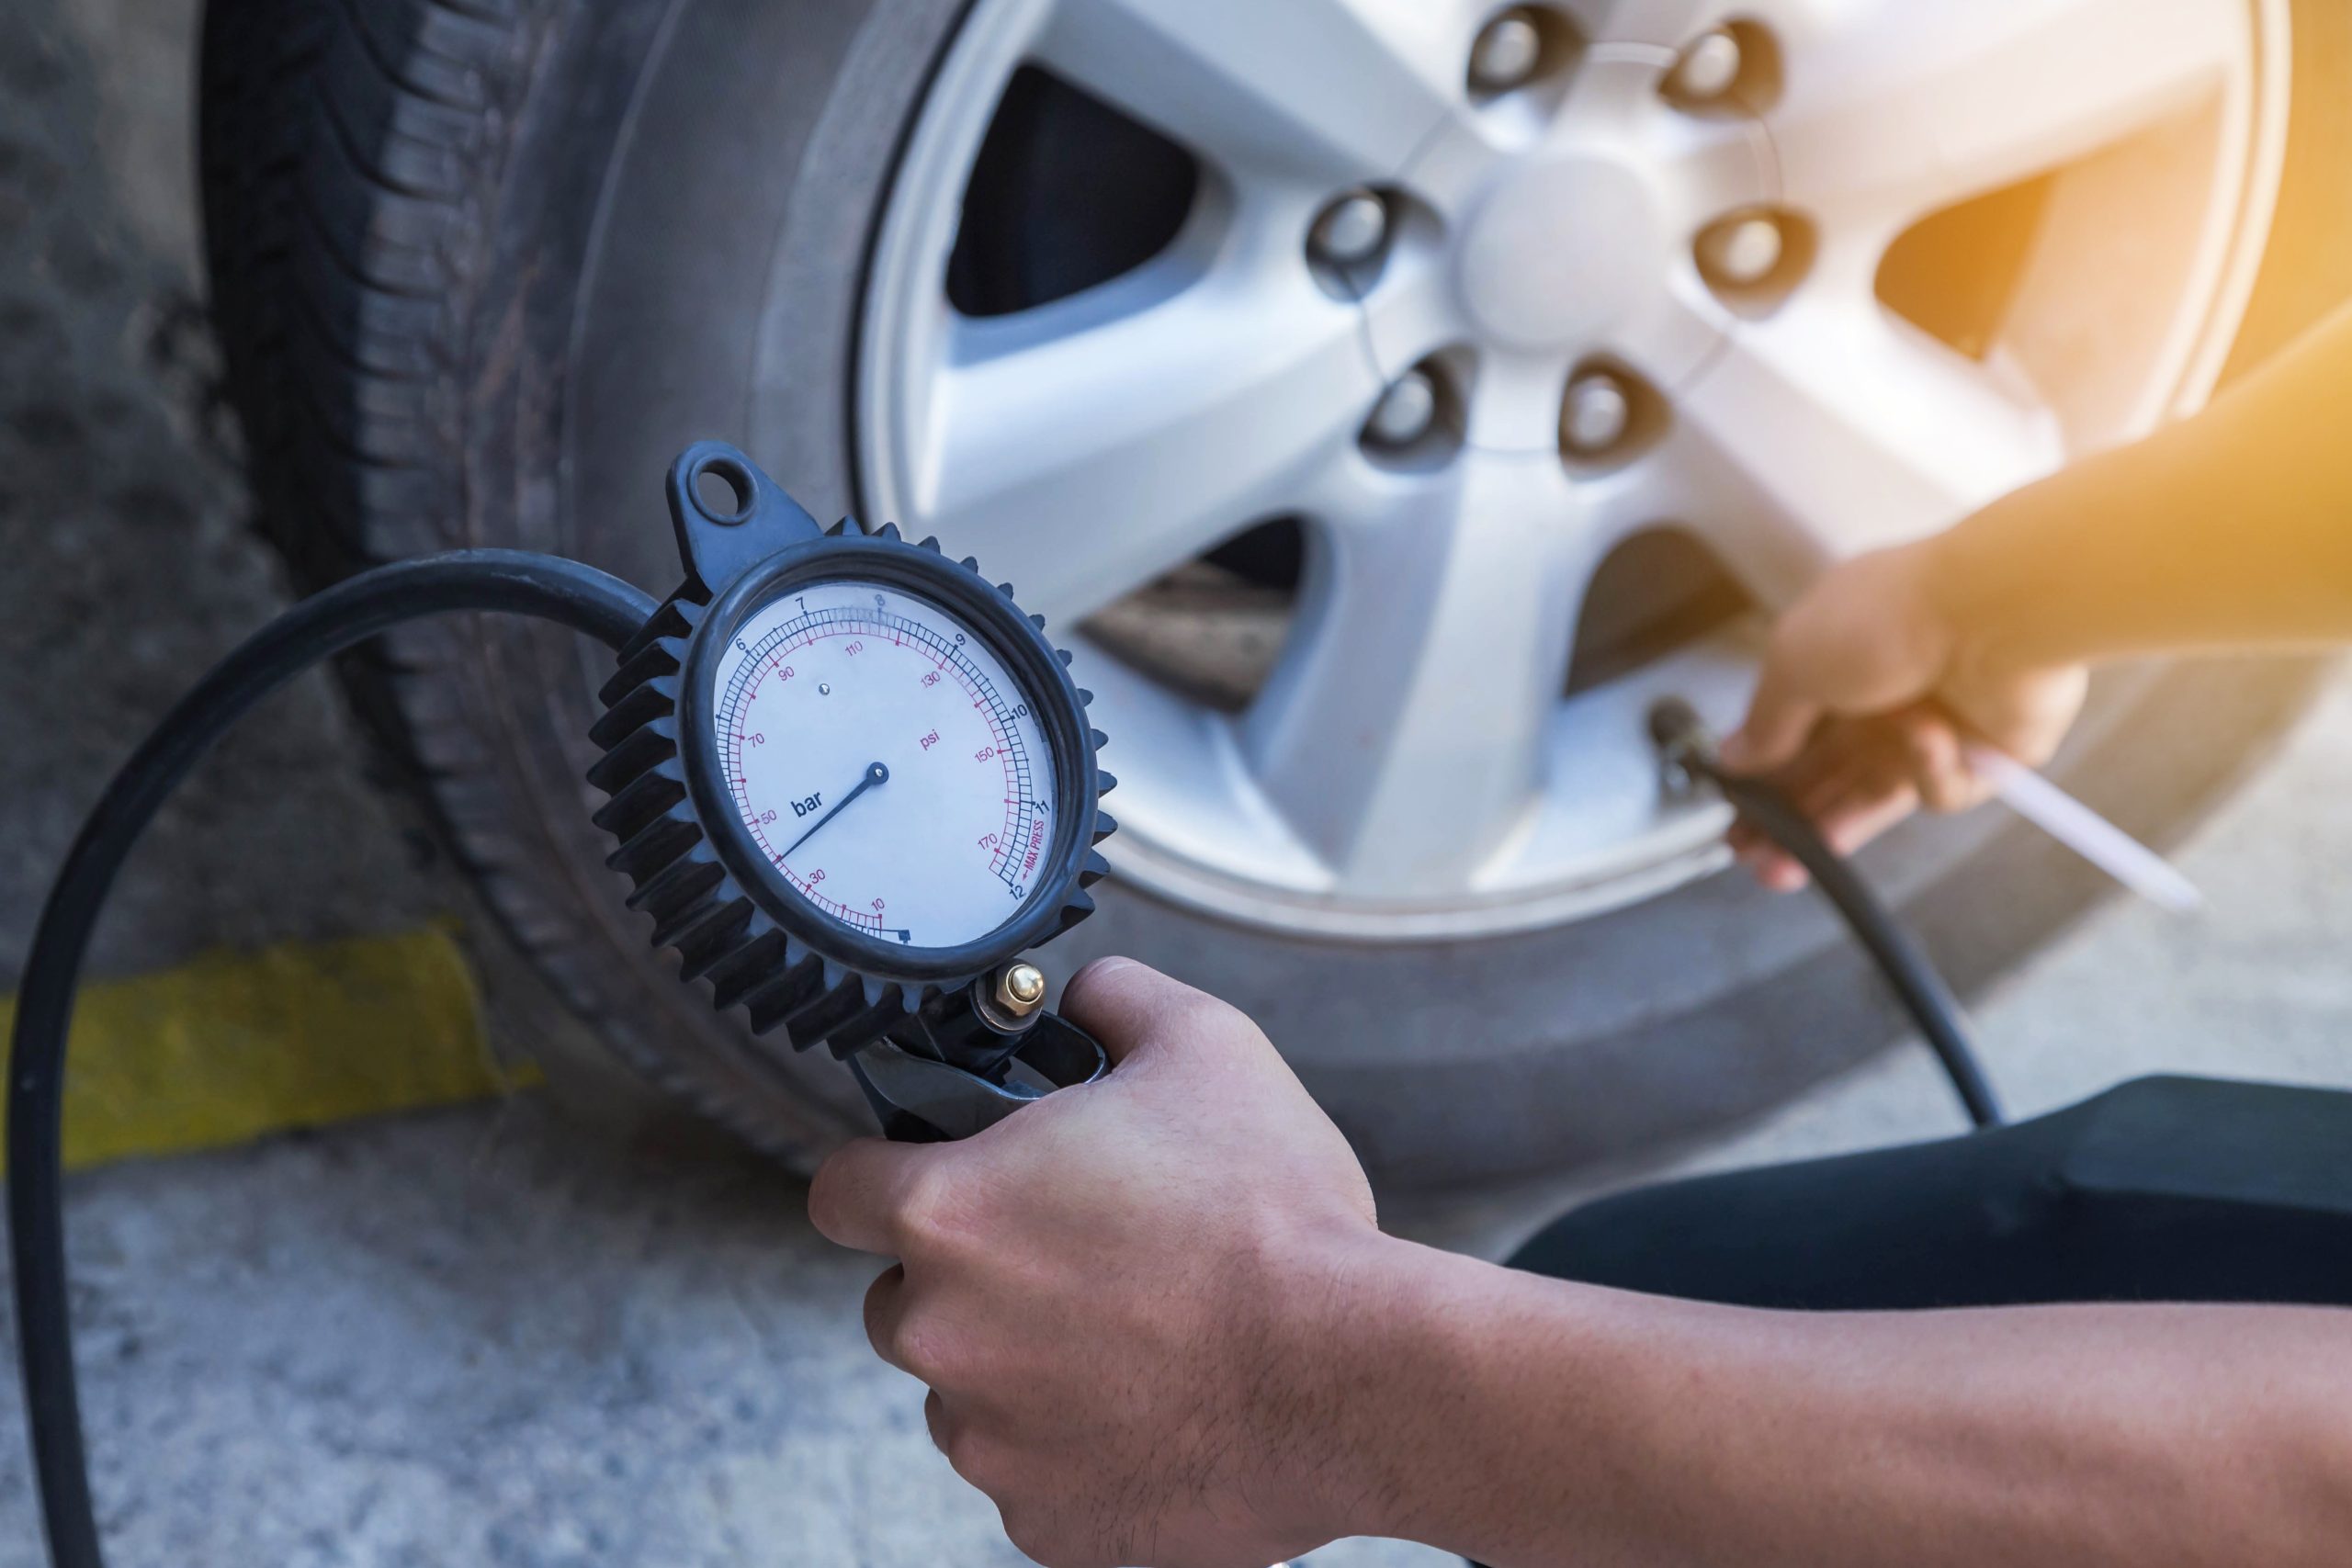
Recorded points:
(1412,769)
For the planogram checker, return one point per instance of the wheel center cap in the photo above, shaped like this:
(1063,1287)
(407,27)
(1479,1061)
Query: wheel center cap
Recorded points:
(1558,251)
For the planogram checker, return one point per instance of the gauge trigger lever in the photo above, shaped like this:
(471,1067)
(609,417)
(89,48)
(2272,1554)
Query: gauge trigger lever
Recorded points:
(921,1099)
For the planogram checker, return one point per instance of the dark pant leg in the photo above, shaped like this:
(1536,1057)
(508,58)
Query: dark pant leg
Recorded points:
(2164,1190)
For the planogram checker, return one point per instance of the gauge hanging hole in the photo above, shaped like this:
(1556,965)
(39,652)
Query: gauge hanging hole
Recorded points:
(724,491)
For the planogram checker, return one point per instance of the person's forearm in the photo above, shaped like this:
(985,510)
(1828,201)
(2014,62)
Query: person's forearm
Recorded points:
(2230,530)
(1524,1421)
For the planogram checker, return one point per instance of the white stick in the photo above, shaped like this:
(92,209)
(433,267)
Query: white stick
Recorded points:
(2085,831)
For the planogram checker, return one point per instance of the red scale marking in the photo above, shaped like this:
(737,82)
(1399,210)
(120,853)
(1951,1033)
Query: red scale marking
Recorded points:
(1007,836)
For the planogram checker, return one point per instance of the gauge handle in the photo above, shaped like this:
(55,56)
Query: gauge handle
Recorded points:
(921,1100)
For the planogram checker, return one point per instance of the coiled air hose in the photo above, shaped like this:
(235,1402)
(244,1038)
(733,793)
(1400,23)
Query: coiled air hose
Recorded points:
(510,582)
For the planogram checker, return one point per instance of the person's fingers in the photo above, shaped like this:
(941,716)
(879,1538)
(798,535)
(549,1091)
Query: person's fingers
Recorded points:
(861,1192)
(934,1420)
(1833,782)
(1938,760)
(1779,723)
(1864,815)
(1852,779)
(1821,774)
(1115,1001)
(886,1304)
(1777,871)
(1762,857)
(2024,716)
(1866,792)
(1127,1005)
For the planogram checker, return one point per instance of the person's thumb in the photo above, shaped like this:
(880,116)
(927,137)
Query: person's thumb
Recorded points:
(1127,1005)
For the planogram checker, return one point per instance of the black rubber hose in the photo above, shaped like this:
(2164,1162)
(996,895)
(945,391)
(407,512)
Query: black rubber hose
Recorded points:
(509,581)
(1909,974)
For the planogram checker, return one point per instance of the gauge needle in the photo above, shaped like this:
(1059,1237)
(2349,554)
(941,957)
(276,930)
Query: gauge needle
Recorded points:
(876,775)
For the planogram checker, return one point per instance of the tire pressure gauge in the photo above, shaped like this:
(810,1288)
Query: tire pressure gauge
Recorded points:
(852,785)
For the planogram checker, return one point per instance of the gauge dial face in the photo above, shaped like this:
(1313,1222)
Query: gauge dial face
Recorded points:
(887,763)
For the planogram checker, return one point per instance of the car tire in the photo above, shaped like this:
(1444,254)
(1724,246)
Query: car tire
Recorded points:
(480,268)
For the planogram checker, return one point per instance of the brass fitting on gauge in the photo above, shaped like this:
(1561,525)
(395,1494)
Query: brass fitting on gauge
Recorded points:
(1012,999)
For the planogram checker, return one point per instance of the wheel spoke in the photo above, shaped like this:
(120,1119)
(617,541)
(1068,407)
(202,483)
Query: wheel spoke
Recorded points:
(1402,735)
(1826,432)
(1515,407)
(1675,335)
(1714,166)
(1083,449)
(1649,30)
(1330,92)
(1919,107)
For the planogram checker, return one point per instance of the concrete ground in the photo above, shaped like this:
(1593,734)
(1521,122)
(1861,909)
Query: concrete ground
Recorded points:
(510,1335)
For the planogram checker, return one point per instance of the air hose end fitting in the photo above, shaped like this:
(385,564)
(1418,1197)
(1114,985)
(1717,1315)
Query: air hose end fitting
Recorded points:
(1686,749)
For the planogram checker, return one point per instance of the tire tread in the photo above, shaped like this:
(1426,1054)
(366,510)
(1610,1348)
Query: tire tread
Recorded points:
(350,152)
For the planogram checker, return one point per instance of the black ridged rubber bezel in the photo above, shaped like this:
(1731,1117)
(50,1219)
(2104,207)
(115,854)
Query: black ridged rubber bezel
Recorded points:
(699,873)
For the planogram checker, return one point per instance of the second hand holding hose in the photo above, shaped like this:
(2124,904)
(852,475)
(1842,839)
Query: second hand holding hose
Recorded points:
(1685,745)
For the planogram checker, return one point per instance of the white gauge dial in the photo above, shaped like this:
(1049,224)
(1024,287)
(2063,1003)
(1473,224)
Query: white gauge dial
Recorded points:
(887,763)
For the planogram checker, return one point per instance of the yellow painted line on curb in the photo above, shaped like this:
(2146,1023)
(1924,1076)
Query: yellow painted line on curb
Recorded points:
(233,1045)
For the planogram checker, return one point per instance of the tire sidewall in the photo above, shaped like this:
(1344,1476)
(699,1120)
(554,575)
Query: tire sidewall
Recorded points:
(683,175)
